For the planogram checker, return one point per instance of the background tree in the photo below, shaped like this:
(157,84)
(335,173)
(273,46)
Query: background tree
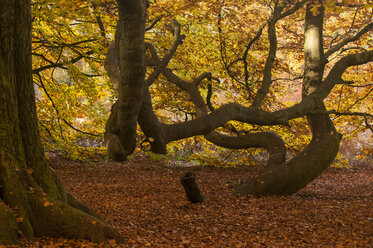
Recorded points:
(281,177)
(231,39)
(32,200)
(70,40)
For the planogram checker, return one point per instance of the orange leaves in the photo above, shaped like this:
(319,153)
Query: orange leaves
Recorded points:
(19,219)
(112,242)
(149,208)
(46,202)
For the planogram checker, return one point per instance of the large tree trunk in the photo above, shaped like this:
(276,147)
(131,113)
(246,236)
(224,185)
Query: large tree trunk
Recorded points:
(121,128)
(289,177)
(28,187)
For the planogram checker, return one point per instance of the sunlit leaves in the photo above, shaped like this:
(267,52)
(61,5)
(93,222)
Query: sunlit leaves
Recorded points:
(72,90)
(78,94)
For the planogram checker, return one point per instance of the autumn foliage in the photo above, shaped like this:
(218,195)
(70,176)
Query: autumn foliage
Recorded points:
(70,40)
(225,83)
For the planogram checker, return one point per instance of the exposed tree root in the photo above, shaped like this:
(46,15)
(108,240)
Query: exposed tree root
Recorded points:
(291,176)
(60,219)
(38,214)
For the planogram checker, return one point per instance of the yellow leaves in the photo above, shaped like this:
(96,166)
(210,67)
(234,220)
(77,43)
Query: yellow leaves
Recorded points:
(315,9)
(84,102)
(94,222)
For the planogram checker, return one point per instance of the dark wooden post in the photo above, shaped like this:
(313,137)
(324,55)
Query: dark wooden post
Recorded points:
(188,180)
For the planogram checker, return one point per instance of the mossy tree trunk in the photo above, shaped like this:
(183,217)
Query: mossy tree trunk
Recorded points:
(32,199)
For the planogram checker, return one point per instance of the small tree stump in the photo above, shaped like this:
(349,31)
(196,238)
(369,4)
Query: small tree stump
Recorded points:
(188,180)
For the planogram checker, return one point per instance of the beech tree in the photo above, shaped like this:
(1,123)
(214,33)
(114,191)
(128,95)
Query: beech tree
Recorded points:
(281,177)
(32,200)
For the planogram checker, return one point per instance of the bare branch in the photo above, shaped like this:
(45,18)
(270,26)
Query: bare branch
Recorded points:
(62,64)
(208,97)
(291,11)
(348,84)
(101,25)
(57,111)
(368,125)
(267,74)
(365,115)
(178,40)
(344,42)
(340,67)
(248,46)
(200,78)
(63,44)
(350,113)
(151,26)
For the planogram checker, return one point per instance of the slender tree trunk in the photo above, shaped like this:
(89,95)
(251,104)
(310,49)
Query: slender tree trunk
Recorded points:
(32,199)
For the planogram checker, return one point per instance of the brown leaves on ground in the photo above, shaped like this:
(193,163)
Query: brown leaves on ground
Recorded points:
(147,204)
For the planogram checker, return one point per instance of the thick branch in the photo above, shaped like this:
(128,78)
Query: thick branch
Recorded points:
(267,74)
(267,78)
(112,66)
(270,141)
(341,66)
(233,111)
(178,40)
(151,26)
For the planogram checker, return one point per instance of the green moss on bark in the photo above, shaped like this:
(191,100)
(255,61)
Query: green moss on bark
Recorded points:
(8,226)
(59,217)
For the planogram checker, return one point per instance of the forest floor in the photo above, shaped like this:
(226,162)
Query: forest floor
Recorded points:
(146,203)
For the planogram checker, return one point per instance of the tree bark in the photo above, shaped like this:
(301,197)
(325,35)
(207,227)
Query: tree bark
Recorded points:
(28,187)
(291,176)
(130,40)
(282,177)
(121,127)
